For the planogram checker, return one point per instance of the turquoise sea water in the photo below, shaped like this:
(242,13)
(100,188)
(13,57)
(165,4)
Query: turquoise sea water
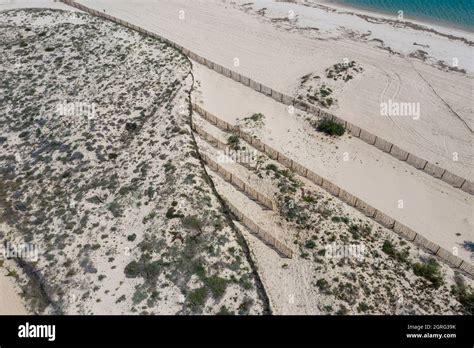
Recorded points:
(457,13)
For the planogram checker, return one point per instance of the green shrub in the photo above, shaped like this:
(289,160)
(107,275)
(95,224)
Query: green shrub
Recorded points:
(225,311)
(430,271)
(132,270)
(330,127)
(363,307)
(354,230)
(199,270)
(342,310)
(233,141)
(115,209)
(310,244)
(256,117)
(192,222)
(366,229)
(153,269)
(139,296)
(325,91)
(197,297)
(389,249)
(323,286)
(171,214)
(217,286)
(245,282)
(309,199)
(272,167)
(148,271)
(169,167)
(464,294)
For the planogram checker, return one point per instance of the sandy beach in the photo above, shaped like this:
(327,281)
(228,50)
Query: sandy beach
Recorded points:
(315,41)
(10,299)
(442,26)
(143,223)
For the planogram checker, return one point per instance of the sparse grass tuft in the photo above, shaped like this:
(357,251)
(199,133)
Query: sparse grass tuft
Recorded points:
(192,223)
(197,298)
(217,286)
(389,249)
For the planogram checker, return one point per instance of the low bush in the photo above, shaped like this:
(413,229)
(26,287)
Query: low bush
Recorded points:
(323,286)
(225,311)
(464,294)
(309,199)
(363,307)
(197,298)
(217,286)
(192,223)
(132,270)
(389,249)
(233,141)
(330,127)
(430,271)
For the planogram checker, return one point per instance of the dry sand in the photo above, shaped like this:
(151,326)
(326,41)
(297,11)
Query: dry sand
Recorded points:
(279,53)
(10,299)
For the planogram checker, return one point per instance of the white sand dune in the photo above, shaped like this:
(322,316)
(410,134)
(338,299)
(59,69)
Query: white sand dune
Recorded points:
(278,58)
(138,88)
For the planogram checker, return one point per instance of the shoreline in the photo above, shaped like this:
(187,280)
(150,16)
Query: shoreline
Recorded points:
(440,27)
(437,27)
